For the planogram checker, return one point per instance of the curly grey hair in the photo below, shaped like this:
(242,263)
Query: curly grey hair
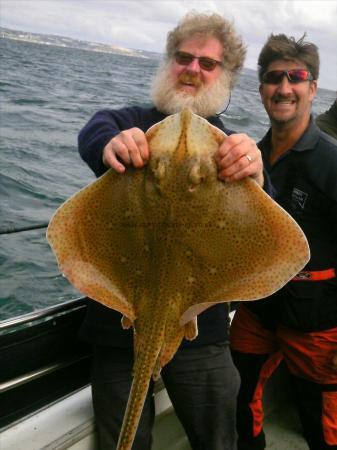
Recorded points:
(210,25)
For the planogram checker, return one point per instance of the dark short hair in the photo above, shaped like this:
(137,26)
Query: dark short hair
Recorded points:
(280,46)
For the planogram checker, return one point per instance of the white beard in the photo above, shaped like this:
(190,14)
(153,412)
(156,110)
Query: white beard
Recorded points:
(206,102)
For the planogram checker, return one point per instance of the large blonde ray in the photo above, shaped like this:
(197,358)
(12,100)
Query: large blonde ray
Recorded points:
(162,244)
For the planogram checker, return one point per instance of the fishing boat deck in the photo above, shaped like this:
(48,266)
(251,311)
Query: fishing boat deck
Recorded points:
(282,429)
(40,399)
(282,426)
(69,424)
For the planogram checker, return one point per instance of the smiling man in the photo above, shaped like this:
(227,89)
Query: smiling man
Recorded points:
(299,322)
(203,57)
(190,79)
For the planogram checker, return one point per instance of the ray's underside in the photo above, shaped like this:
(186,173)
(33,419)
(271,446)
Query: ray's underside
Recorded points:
(162,244)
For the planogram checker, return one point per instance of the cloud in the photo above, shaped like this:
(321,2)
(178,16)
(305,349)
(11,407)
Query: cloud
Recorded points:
(144,24)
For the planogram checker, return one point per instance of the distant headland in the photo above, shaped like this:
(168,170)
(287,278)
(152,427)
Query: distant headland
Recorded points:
(62,41)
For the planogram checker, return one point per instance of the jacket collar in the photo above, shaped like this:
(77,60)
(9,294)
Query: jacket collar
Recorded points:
(307,141)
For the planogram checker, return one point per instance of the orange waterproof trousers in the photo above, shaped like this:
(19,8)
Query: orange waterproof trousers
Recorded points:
(258,351)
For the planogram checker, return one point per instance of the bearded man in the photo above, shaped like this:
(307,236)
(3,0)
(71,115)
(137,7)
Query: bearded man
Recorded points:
(202,60)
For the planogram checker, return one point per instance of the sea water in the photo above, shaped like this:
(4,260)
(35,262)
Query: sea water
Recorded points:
(47,95)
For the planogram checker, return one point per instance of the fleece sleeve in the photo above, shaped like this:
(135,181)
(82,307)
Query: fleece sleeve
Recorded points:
(100,129)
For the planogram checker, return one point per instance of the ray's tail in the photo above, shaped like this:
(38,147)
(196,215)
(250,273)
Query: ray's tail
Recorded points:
(144,366)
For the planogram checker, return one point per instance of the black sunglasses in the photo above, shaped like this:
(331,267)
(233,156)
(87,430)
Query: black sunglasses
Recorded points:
(293,75)
(184,59)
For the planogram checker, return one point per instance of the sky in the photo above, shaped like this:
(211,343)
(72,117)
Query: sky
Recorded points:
(144,24)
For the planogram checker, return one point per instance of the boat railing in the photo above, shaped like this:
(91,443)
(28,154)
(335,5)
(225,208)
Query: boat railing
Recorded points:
(42,359)
(60,308)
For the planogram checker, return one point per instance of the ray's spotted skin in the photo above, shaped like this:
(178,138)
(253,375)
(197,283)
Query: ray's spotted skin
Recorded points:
(162,244)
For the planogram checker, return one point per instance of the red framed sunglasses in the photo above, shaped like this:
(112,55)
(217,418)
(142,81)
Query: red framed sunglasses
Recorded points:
(208,64)
(293,75)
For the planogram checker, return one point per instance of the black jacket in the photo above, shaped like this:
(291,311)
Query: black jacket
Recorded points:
(305,183)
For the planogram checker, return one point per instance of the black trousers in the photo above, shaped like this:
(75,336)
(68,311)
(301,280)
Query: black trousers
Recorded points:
(202,384)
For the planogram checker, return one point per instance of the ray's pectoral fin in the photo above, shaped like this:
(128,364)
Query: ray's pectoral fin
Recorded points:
(87,234)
